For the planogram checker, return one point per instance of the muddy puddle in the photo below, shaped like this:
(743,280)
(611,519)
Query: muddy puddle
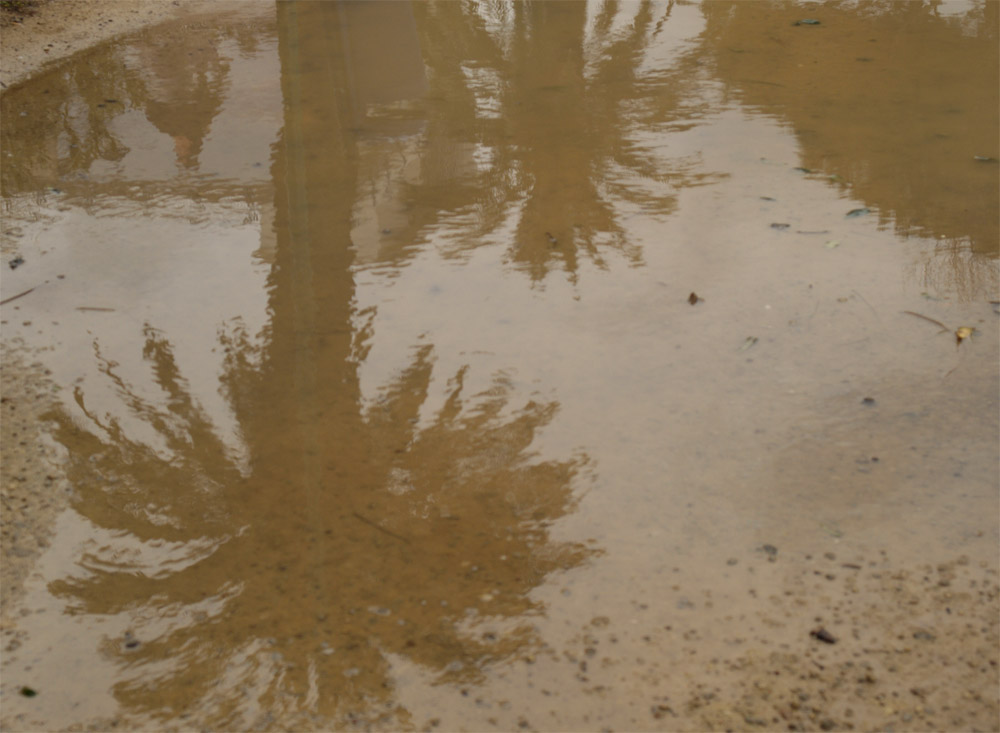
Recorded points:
(473,366)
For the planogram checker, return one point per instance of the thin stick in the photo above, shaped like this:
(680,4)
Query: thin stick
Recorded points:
(936,323)
(15,297)
(94,308)
(380,528)
(866,302)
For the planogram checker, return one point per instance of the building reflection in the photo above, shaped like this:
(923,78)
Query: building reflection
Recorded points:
(185,78)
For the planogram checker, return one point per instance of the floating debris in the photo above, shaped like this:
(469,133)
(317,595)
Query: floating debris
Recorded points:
(15,297)
(963,333)
(858,212)
(832,244)
(130,641)
(16,262)
(779,225)
(984,159)
(807,21)
(751,340)
(693,299)
(929,319)
(380,528)
(831,530)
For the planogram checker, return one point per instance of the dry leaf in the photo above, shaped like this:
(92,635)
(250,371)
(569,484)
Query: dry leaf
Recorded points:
(963,333)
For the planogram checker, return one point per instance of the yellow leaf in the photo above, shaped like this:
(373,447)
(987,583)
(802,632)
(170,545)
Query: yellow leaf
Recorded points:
(963,333)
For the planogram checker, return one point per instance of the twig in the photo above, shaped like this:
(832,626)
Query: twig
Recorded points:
(15,297)
(380,528)
(94,308)
(936,323)
(865,301)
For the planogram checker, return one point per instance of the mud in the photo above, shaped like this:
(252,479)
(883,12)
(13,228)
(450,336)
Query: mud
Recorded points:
(366,391)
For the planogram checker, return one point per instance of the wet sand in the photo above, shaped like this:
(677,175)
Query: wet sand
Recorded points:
(50,31)
(754,617)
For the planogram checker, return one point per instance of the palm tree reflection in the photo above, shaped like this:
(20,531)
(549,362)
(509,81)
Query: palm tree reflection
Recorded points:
(563,117)
(276,585)
(290,581)
(905,139)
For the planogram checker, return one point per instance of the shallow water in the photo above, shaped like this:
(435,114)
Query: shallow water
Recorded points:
(382,390)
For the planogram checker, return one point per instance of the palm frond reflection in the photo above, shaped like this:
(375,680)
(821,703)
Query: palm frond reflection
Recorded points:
(323,560)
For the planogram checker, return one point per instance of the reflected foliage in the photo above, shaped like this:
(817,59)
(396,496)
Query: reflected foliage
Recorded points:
(374,538)
(274,586)
(345,533)
(64,120)
(904,141)
(560,110)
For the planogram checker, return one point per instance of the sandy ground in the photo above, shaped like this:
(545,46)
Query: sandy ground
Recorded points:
(32,491)
(52,30)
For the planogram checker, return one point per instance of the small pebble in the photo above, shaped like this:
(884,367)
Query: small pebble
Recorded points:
(823,635)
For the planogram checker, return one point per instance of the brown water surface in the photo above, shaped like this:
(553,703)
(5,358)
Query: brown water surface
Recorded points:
(383,397)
